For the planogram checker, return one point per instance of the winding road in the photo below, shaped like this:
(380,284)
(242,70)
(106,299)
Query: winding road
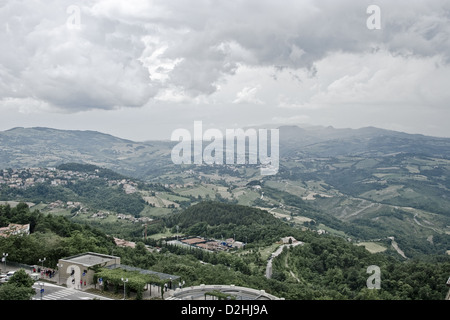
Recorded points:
(275,254)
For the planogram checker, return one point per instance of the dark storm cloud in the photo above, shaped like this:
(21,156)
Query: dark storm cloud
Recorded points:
(126,53)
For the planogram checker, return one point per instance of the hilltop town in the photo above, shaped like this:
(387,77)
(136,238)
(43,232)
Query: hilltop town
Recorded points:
(28,177)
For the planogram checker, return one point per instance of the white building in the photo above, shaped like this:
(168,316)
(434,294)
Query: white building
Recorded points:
(15,229)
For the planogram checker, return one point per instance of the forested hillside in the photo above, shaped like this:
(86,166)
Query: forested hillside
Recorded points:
(224,220)
(98,188)
(51,237)
(363,184)
(324,267)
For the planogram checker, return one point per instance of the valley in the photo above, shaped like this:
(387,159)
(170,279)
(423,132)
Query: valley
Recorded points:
(359,184)
(381,192)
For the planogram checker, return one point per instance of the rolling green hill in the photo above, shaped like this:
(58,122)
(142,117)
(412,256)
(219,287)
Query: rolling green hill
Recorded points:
(323,267)
(224,220)
(362,184)
(46,147)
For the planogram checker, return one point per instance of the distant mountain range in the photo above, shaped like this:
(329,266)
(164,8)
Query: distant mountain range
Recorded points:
(328,142)
(385,182)
(46,147)
(31,147)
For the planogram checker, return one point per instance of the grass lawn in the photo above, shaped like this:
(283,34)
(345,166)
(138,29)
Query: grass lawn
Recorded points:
(165,234)
(267,251)
(154,212)
(372,247)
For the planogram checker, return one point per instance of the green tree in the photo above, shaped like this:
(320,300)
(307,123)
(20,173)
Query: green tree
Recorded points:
(21,279)
(19,287)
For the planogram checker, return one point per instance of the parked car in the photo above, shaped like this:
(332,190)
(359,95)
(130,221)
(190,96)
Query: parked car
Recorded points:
(35,276)
(9,275)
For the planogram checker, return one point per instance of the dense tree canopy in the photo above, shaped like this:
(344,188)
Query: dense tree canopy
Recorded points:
(18,287)
(324,267)
(52,237)
(224,220)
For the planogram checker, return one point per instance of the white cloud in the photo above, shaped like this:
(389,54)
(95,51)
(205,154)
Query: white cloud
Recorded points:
(248,95)
(382,79)
(97,66)
(252,60)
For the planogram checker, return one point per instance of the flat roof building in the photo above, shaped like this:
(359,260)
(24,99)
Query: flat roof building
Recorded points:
(78,271)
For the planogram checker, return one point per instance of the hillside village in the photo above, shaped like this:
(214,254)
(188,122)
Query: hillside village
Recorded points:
(29,177)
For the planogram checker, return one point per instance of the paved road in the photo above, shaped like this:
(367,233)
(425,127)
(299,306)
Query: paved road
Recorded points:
(276,253)
(55,292)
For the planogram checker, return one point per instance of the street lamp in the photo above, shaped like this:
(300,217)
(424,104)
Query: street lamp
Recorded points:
(4,259)
(42,260)
(124,283)
(59,265)
(42,288)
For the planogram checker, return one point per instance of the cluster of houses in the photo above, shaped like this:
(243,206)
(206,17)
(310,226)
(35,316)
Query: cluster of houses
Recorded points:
(99,214)
(15,229)
(28,177)
(61,204)
(58,204)
(133,218)
(209,244)
(127,185)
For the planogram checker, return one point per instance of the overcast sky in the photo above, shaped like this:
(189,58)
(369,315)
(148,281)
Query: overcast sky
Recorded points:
(141,69)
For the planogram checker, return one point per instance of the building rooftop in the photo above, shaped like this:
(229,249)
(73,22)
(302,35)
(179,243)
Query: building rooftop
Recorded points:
(162,276)
(90,259)
(193,240)
(14,229)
